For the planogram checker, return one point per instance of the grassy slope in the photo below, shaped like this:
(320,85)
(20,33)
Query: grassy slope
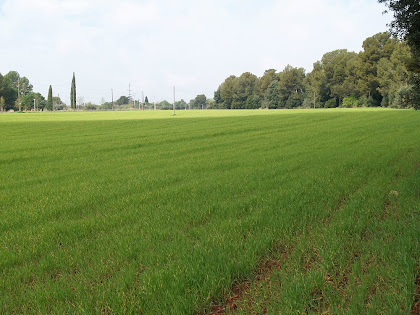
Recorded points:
(143,211)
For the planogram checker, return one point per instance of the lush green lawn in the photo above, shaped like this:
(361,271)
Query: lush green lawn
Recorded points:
(143,211)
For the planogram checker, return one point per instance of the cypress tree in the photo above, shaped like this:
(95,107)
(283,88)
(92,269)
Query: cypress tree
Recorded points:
(73,93)
(50,100)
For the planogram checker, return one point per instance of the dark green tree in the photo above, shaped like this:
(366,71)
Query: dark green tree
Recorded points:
(227,91)
(58,103)
(124,100)
(200,101)
(73,93)
(181,104)
(165,105)
(218,99)
(20,84)
(244,87)
(28,101)
(272,95)
(315,84)
(375,48)
(336,69)
(8,92)
(50,99)
(266,79)
(146,101)
(406,25)
(392,74)
(291,87)
(253,102)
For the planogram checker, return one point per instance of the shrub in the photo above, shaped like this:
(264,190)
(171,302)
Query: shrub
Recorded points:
(349,101)
(331,103)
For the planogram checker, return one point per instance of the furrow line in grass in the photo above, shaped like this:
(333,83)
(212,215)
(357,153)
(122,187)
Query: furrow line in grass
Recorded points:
(241,298)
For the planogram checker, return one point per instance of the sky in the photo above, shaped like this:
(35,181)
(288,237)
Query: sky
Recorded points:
(151,46)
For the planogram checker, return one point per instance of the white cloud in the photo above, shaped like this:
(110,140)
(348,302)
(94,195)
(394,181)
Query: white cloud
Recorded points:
(133,13)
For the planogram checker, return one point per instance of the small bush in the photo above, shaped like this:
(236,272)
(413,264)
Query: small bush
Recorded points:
(331,103)
(349,101)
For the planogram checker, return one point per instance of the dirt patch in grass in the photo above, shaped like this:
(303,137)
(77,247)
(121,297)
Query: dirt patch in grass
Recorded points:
(241,292)
(415,310)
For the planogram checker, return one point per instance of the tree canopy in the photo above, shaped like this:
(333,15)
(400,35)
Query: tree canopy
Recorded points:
(406,25)
(376,76)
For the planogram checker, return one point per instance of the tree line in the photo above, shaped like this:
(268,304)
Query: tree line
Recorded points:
(379,75)
(376,76)
(16,93)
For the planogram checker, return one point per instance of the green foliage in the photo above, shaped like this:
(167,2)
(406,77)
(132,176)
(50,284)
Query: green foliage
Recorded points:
(406,24)
(227,91)
(28,101)
(291,87)
(90,106)
(124,100)
(218,99)
(375,48)
(268,77)
(25,87)
(199,102)
(146,100)
(350,101)
(106,105)
(253,102)
(372,76)
(331,103)
(165,105)
(243,87)
(402,97)
(9,85)
(181,104)
(272,96)
(338,67)
(315,84)
(415,95)
(366,101)
(8,92)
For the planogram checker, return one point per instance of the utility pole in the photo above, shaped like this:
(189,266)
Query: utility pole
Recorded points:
(314,98)
(174,100)
(34,105)
(19,94)
(112,98)
(129,92)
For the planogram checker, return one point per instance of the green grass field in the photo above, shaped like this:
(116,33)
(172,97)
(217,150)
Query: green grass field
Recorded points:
(129,212)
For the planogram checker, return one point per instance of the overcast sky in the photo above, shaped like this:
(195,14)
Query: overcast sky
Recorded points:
(154,45)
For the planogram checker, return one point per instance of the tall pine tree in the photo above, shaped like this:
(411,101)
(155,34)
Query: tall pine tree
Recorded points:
(73,93)
(406,24)
(50,100)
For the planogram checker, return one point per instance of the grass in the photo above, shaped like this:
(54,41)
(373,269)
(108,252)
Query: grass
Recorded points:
(128,212)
